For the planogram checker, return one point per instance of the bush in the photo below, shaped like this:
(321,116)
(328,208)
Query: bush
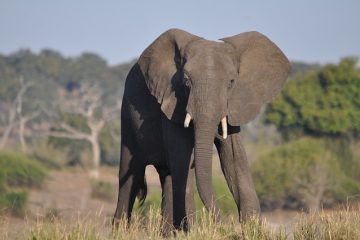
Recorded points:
(21,171)
(301,174)
(17,171)
(12,202)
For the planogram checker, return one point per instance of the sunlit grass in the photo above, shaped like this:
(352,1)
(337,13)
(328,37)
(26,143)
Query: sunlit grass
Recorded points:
(343,224)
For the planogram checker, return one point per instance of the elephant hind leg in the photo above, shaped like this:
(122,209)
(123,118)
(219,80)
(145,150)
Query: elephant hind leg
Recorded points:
(142,193)
(131,182)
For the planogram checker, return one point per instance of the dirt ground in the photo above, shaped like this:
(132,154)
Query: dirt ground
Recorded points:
(69,193)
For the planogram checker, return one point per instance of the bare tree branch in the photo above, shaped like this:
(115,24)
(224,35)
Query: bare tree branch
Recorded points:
(15,109)
(65,135)
(22,124)
(73,131)
(86,101)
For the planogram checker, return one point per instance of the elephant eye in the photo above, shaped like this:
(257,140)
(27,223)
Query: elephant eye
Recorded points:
(231,83)
(187,81)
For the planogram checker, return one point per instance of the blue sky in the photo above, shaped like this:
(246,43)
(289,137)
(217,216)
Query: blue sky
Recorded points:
(313,31)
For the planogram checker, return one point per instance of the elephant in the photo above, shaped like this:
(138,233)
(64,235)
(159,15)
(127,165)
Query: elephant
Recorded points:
(182,96)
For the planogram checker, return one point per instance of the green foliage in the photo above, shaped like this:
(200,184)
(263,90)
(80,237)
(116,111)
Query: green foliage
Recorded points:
(21,171)
(321,103)
(11,201)
(293,175)
(14,203)
(49,69)
(17,171)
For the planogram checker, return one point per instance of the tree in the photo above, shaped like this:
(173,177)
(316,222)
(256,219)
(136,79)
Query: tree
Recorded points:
(320,103)
(85,102)
(16,116)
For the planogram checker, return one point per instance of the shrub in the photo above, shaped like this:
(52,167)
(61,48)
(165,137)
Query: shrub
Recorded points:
(21,171)
(17,170)
(14,202)
(301,174)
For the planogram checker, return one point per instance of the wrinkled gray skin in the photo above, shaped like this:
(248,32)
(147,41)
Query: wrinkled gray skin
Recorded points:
(181,74)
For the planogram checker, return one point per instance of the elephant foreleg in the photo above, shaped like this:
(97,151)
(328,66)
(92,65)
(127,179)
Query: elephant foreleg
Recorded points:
(237,173)
(179,156)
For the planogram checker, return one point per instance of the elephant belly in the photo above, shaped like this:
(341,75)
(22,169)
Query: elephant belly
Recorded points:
(149,140)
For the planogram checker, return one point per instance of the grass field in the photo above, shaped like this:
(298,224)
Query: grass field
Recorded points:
(342,224)
(66,208)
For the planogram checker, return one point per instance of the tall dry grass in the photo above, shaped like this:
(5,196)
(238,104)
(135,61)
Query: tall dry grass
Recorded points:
(343,224)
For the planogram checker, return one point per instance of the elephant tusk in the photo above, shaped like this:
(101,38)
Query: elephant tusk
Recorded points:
(187,120)
(224,127)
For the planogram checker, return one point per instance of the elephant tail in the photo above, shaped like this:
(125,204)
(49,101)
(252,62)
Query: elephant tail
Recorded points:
(141,195)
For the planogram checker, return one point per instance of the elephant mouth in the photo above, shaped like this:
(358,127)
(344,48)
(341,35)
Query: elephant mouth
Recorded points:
(223,124)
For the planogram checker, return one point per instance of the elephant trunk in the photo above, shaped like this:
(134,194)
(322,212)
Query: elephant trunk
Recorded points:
(203,149)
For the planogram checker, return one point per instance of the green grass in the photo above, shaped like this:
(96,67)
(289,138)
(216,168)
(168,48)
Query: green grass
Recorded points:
(224,198)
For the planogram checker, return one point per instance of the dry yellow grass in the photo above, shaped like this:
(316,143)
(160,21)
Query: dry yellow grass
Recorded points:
(343,224)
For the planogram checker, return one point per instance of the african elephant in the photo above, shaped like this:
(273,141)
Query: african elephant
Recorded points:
(184,94)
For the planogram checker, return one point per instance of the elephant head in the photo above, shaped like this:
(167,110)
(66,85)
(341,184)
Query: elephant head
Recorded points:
(210,83)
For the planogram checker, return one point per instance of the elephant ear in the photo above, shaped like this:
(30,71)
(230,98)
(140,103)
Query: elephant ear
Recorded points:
(262,72)
(161,65)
